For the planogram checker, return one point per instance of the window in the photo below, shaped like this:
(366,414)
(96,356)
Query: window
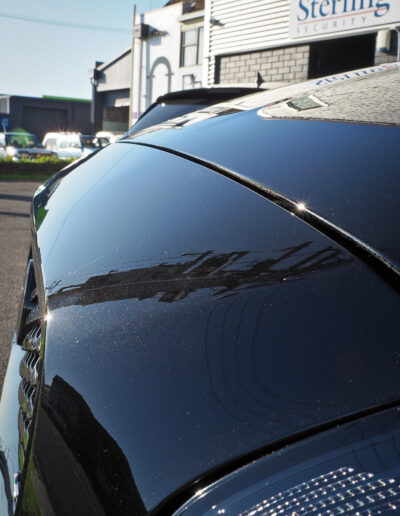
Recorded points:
(68,144)
(22,140)
(338,55)
(51,143)
(192,47)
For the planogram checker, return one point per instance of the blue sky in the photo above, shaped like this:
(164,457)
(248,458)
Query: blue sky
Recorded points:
(47,59)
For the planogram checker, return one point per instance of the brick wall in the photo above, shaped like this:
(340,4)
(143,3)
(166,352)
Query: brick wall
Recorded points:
(384,57)
(390,56)
(280,64)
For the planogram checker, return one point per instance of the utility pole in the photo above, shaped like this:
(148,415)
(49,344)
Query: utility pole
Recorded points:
(131,108)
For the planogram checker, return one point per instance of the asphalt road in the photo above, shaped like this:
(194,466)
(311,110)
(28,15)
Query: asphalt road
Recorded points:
(15,200)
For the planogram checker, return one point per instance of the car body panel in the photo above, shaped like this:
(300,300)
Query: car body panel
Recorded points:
(212,340)
(189,320)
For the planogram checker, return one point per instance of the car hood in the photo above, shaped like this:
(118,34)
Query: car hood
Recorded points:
(191,320)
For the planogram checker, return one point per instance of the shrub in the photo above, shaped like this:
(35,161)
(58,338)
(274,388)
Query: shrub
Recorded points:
(38,169)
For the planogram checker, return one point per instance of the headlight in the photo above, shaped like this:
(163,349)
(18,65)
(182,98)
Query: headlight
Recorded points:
(11,151)
(352,469)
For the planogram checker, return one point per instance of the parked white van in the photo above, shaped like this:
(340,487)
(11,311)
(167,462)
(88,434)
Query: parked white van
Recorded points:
(72,145)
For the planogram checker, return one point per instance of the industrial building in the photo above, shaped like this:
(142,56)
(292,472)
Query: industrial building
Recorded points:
(296,40)
(193,43)
(39,115)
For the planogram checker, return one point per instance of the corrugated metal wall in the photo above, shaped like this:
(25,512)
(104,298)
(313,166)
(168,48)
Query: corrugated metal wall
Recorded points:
(265,23)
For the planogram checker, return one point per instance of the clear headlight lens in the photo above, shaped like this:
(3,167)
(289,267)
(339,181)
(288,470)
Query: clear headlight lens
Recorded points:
(353,469)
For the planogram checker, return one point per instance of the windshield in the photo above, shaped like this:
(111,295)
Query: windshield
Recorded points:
(22,140)
(165,111)
(91,142)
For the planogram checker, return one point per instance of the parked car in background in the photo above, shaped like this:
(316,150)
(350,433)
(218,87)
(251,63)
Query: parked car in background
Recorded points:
(73,145)
(108,137)
(210,318)
(18,145)
(2,147)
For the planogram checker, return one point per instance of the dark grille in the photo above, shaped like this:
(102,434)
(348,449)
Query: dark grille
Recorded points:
(30,339)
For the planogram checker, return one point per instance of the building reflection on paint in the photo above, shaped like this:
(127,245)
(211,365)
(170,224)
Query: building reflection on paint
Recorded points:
(225,273)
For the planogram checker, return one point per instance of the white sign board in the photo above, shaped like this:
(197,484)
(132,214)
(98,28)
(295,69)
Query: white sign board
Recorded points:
(317,17)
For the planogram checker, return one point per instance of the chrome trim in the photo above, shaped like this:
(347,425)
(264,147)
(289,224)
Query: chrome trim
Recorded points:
(33,314)
(26,398)
(17,482)
(28,368)
(32,340)
(23,426)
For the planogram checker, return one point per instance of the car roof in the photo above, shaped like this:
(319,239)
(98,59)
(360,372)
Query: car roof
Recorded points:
(68,134)
(19,133)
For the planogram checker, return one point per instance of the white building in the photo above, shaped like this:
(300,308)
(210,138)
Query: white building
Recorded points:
(168,55)
(294,40)
(192,43)
(168,52)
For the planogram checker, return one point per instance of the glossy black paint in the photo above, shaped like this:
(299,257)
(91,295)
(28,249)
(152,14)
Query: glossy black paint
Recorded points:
(82,459)
(345,172)
(190,321)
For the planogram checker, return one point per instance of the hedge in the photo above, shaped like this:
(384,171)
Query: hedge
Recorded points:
(35,170)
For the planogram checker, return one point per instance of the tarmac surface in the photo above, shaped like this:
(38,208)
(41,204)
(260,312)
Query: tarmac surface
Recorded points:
(15,198)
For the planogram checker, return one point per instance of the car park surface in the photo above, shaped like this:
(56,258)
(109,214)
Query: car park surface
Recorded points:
(210,323)
(15,199)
